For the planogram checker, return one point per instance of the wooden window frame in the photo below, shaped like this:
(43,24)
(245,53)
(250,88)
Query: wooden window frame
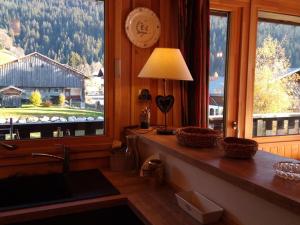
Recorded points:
(287,8)
(91,142)
(245,13)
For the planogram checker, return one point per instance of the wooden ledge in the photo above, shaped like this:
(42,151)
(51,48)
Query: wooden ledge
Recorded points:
(256,176)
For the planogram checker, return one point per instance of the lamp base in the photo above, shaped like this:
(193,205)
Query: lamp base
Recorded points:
(165,131)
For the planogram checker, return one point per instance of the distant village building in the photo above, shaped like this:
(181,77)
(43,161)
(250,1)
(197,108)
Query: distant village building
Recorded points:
(95,90)
(216,96)
(38,72)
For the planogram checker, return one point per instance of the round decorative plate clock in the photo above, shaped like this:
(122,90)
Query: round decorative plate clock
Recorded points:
(142,27)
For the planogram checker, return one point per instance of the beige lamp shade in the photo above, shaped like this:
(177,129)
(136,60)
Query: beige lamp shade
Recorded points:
(166,63)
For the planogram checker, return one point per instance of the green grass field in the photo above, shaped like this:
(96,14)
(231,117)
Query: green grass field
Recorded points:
(30,110)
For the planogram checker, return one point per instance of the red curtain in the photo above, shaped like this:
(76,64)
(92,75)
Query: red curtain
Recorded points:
(194,45)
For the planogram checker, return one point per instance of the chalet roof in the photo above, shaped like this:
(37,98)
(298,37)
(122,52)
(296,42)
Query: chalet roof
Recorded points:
(287,73)
(11,87)
(216,100)
(49,61)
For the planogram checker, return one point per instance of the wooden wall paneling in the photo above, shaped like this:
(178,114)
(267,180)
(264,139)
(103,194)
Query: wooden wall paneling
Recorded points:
(295,151)
(169,39)
(125,81)
(288,151)
(177,105)
(53,167)
(118,60)
(21,161)
(159,83)
(173,38)
(155,5)
(153,108)
(285,149)
(118,64)
(164,42)
(139,58)
(127,105)
(160,115)
(280,150)
(123,101)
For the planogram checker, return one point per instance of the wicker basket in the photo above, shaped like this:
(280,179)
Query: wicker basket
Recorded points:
(197,137)
(239,148)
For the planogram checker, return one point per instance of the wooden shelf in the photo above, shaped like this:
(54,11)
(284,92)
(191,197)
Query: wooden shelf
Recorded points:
(256,176)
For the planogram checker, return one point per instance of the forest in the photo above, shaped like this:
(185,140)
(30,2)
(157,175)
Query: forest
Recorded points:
(69,31)
(287,34)
(72,32)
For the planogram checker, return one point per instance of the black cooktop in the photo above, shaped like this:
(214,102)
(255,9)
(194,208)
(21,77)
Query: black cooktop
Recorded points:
(28,191)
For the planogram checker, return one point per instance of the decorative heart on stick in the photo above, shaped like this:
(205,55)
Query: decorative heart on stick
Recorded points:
(164,103)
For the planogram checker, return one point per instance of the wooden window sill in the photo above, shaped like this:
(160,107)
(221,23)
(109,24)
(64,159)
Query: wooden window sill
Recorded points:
(272,139)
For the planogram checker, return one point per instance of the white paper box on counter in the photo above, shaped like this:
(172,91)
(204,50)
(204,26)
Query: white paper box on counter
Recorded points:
(199,207)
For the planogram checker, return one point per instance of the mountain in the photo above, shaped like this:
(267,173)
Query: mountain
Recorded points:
(58,29)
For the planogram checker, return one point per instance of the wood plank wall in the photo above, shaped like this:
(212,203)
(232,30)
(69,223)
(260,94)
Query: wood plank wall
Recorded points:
(285,149)
(131,60)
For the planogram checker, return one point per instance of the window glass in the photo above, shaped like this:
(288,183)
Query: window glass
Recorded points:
(51,68)
(218,69)
(276,105)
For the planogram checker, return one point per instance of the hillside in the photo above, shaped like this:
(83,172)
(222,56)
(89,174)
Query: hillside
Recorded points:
(65,30)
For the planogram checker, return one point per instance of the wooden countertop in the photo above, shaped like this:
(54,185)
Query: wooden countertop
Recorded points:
(256,175)
(156,206)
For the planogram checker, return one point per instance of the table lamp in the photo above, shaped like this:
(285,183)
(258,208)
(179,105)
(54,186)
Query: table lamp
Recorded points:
(166,64)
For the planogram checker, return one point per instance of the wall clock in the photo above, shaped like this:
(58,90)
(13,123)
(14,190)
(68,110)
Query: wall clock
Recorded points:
(142,27)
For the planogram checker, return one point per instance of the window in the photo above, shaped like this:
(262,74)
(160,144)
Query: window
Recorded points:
(53,52)
(218,68)
(276,104)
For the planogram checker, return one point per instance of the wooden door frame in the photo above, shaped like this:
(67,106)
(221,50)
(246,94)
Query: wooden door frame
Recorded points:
(237,52)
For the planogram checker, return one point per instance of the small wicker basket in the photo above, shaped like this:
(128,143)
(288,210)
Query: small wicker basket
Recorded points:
(197,137)
(239,148)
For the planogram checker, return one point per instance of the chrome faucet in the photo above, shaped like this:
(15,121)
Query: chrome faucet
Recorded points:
(8,146)
(65,159)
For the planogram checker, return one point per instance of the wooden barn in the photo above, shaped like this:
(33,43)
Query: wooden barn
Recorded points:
(38,72)
(10,97)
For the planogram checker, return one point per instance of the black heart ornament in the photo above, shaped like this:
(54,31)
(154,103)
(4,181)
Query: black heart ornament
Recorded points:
(164,103)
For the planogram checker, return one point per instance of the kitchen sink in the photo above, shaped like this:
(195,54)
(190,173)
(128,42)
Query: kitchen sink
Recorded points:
(28,191)
(116,215)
